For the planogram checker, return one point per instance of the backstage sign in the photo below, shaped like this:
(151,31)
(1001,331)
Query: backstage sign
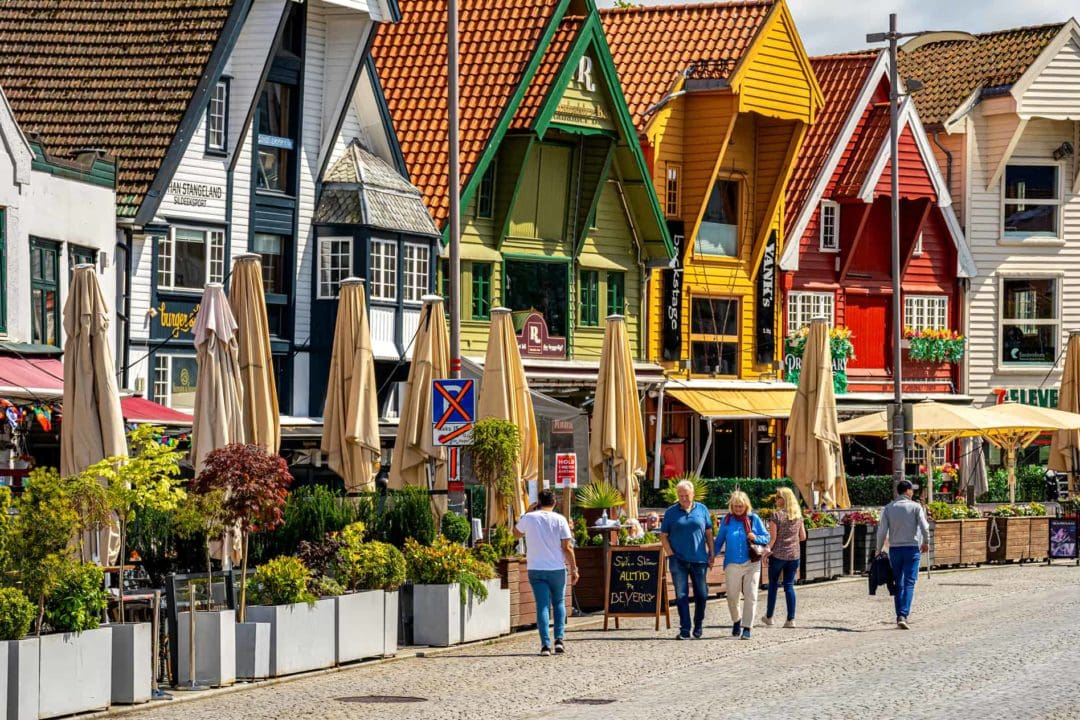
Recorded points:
(671,327)
(192,194)
(766,304)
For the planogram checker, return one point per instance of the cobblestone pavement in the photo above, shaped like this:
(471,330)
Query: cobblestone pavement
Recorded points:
(992,643)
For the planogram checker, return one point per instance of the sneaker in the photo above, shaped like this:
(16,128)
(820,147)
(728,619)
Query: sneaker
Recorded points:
(901,622)
(746,634)
(736,628)
(545,651)
(789,624)
(767,620)
(697,633)
(682,636)
(559,648)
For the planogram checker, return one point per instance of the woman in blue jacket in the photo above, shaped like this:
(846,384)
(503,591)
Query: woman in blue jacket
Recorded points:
(739,529)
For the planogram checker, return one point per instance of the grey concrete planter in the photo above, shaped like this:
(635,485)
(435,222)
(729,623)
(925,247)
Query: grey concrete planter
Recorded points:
(20,678)
(215,648)
(252,650)
(361,625)
(75,672)
(131,663)
(390,623)
(302,636)
(441,619)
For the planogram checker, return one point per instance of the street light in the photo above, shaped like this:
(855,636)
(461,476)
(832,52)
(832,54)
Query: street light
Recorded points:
(922,38)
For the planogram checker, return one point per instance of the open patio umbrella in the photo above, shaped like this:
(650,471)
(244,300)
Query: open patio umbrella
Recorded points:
(504,394)
(1019,426)
(350,436)
(93,426)
(1065,447)
(617,436)
(813,442)
(416,460)
(262,424)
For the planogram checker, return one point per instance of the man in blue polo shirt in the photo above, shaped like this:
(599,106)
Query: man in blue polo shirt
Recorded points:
(686,533)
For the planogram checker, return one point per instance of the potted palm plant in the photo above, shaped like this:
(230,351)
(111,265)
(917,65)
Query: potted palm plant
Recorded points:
(595,498)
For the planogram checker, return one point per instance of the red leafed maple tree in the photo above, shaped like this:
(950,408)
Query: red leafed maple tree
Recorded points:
(255,486)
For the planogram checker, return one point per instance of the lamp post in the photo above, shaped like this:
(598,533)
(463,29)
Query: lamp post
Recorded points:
(455,188)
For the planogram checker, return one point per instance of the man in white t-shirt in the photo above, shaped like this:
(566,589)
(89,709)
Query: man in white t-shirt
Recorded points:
(549,552)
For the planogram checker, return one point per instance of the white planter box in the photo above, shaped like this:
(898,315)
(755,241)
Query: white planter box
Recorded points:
(390,624)
(75,672)
(441,619)
(21,678)
(132,659)
(252,650)
(360,625)
(302,636)
(215,648)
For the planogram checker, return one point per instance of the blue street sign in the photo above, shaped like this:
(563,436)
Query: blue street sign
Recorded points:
(453,410)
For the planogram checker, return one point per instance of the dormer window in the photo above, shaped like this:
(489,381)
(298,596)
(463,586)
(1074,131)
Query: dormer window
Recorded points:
(217,118)
(830,226)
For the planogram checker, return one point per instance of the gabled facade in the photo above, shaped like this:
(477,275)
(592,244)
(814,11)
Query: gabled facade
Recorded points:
(722,95)
(559,221)
(1004,112)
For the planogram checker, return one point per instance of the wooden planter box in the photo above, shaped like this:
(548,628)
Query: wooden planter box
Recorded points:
(1021,538)
(515,578)
(822,554)
(864,545)
(959,542)
(590,587)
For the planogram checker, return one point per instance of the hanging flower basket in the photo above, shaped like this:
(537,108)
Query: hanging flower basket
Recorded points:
(840,348)
(940,345)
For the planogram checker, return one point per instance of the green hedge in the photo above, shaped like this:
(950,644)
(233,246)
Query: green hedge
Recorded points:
(869,490)
(1030,485)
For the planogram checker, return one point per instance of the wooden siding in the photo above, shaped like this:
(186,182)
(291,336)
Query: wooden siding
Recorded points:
(775,79)
(956,145)
(914,178)
(708,121)
(1055,93)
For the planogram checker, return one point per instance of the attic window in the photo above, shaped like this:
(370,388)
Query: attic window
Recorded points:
(217,118)
(830,226)
(671,190)
(485,200)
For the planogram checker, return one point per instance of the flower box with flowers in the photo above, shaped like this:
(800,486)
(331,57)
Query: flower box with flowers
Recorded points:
(822,556)
(1018,532)
(946,482)
(859,554)
(959,534)
(934,345)
(840,348)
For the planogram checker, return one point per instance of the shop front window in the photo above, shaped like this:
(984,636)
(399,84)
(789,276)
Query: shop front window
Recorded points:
(1030,321)
(174,381)
(540,286)
(714,336)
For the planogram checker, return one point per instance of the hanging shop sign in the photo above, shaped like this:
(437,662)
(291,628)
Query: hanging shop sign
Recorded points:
(766,304)
(840,348)
(534,341)
(671,326)
(1040,397)
(174,319)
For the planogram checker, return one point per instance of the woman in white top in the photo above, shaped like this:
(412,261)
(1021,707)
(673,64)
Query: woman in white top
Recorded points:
(549,552)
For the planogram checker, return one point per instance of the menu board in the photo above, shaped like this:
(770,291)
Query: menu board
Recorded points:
(1063,539)
(635,585)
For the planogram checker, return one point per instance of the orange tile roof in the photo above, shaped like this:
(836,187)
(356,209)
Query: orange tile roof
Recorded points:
(841,78)
(952,71)
(110,74)
(868,143)
(553,61)
(496,43)
(652,45)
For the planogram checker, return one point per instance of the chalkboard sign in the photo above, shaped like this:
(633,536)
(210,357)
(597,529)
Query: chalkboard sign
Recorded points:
(1063,539)
(635,584)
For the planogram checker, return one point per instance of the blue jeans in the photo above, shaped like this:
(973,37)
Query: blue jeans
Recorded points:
(790,570)
(682,573)
(905,568)
(549,590)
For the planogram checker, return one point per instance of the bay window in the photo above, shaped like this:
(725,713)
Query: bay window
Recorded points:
(383,270)
(417,266)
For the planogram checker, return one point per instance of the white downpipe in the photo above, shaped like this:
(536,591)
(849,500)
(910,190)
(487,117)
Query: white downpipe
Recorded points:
(658,437)
(708,446)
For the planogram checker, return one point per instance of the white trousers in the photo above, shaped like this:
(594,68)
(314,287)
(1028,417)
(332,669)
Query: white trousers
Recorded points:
(743,579)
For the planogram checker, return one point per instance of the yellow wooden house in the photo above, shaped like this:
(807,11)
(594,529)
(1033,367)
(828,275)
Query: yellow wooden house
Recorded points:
(722,95)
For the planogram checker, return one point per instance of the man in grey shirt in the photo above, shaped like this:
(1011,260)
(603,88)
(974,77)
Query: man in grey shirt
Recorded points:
(903,522)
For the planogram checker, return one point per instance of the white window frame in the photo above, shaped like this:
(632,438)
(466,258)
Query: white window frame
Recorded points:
(1026,368)
(1023,238)
(926,312)
(917,251)
(829,242)
(916,455)
(163,361)
(383,276)
(166,257)
(330,277)
(217,113)
(821,304)
(415,283)
(672,194)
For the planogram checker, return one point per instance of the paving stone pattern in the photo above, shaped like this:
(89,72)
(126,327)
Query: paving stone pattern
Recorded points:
(990,643)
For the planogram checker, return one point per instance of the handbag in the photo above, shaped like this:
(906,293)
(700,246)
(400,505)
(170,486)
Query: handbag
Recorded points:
(757,552)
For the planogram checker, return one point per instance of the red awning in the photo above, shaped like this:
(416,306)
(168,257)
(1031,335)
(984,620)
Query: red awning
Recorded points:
(31,377)
(141,410)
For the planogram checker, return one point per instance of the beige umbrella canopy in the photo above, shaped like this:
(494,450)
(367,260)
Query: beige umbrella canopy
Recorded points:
(813,441)
(416,460)
(617,434)
(351,416)
(504,394)
(1017,426)
(262,425)
(93,426)
(1065,447)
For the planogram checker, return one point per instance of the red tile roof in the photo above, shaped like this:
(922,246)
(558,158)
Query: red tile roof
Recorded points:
(652,45)
(553,60)
(952,71)
(112,74)
(496,43)
(868,142)
(841,78)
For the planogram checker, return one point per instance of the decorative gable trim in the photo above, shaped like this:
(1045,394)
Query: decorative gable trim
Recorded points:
(15,142)
(341,107)
(1069,31)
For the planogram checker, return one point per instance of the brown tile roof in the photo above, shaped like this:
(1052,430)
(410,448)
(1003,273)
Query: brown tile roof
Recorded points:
(651,45)
(111,74)
(496,42)
(952,71)
(550,64)
(841,78)
(868,144)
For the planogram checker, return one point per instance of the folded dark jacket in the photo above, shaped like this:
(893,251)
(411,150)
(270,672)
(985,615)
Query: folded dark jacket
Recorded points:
(881,574)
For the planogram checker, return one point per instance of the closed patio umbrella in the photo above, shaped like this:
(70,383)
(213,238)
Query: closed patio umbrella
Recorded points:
(93,425)
(813,449)
(416,460)
(504,394)
(350,436)
(1065,447)
(617,436)
(262,424)
(1019,425)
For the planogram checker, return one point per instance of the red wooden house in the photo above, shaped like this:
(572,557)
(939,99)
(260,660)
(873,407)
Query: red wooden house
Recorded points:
(839,209)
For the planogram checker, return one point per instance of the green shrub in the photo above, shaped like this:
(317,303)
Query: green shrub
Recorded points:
(310,513)
(16,614)
(78,600)
(871,490)
(408,515)
(281,581)
(372,566)
(456,527)
(325,586)
(720,489)
(945,511)
(444,563)
(503,541)
(1030,485)
(486,553)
